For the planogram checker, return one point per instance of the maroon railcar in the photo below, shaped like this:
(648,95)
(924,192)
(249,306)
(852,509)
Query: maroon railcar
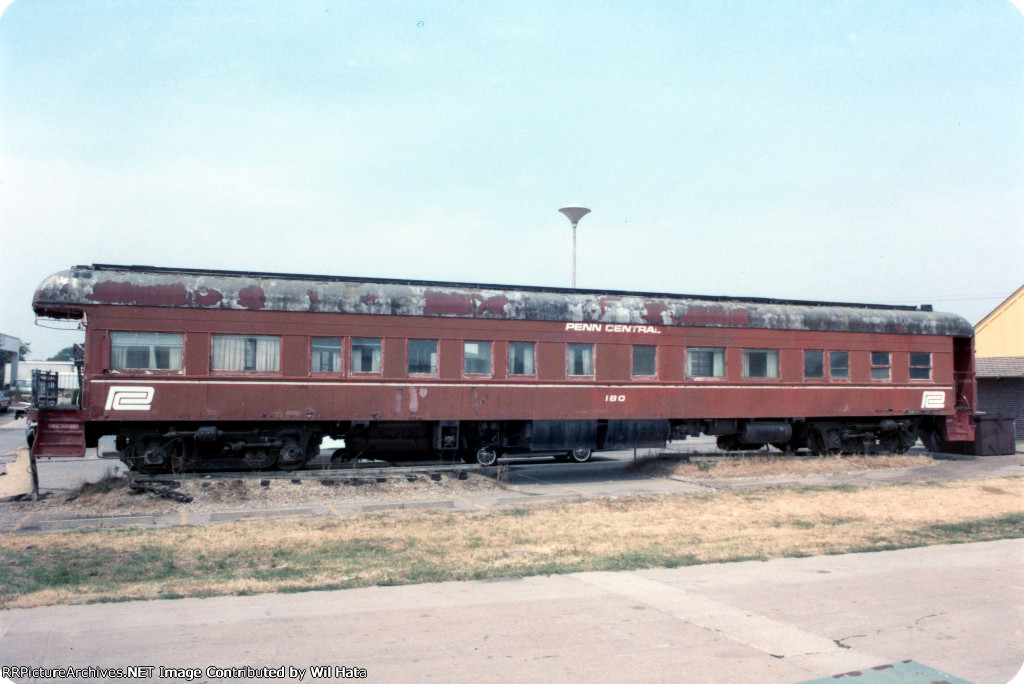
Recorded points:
(188,367)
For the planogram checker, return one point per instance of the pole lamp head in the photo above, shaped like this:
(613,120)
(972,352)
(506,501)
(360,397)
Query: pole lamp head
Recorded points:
(574,213)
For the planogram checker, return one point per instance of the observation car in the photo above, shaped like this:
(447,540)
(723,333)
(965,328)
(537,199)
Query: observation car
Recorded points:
(196,368)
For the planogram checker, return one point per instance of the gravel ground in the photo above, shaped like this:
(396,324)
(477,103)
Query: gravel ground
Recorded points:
(113,496)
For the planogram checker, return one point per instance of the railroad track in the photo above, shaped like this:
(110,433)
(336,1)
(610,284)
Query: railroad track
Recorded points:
(343,472)
(370,471)
(367,472)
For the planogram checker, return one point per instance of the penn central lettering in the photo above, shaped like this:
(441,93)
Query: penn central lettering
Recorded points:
(612,328)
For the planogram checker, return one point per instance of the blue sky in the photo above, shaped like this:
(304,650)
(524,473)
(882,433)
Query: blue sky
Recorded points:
(857,151)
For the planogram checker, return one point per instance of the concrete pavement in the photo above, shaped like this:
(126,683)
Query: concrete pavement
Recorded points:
(955,609)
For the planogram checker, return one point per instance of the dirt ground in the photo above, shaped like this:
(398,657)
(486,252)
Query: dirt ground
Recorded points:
(771,465)
(17,479)
(113,496)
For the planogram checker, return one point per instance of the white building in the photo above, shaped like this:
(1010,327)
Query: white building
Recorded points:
(9,348)
(67,376)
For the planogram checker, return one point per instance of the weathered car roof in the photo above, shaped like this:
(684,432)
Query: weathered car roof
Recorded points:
(70,293)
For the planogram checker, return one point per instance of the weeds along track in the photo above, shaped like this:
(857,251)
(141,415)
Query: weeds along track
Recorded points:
(709,464)
(344,473)
(402,470)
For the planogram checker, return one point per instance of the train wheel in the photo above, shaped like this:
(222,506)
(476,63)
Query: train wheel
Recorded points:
(148,455)
(580,455)
(146,468)
(905,440)
(834,442)
(815,442)
(930,440)
(342,456)
(486,456)
(139,464)
(727,443)
(291,457)
(288,467)
(180,458)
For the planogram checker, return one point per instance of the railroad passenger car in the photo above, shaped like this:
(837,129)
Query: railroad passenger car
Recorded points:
(190,368)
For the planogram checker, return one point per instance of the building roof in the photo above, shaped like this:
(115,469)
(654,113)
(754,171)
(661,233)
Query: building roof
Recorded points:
(1006,303)
(69,294)
(999,334)
(10,344)
(1000,367)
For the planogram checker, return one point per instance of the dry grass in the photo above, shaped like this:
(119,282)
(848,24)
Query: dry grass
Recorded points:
(399,548)
(776,465)
(113,496)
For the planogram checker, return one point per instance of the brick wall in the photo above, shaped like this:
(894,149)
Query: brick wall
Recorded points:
(1004,397)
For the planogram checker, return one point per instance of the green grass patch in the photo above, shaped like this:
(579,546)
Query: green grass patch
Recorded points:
(434,546)
(813,489)
(1009,526)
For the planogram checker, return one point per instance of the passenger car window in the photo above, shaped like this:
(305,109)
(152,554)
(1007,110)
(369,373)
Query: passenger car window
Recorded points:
(366,352)
(920,366)
(705,363)
(141,350)
(325,355)
(760,363)
(879,365)
(839,364)
(580,359)
(246,352)
(644,360)
(476,358)
(423,357)
(814,363)
(521,357)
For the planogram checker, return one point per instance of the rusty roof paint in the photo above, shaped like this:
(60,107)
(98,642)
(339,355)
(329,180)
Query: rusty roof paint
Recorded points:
(70,293)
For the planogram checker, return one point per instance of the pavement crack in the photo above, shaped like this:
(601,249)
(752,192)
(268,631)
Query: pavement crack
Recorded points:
(840,644)
(694,483)
(919,620)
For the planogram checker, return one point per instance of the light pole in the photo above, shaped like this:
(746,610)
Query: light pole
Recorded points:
(574,214)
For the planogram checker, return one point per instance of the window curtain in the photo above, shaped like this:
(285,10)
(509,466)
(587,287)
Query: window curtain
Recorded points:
(365,355)
(422,356)
(119,356)
(760,364)
(527,358)
(268,353)
(172,354)
(718,364)
(236,352)
(707,363)
(228,353)
(326,355)
(581,359)
(521,358)
(145,350)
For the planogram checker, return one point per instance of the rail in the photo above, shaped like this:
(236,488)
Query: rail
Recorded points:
(342,473)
